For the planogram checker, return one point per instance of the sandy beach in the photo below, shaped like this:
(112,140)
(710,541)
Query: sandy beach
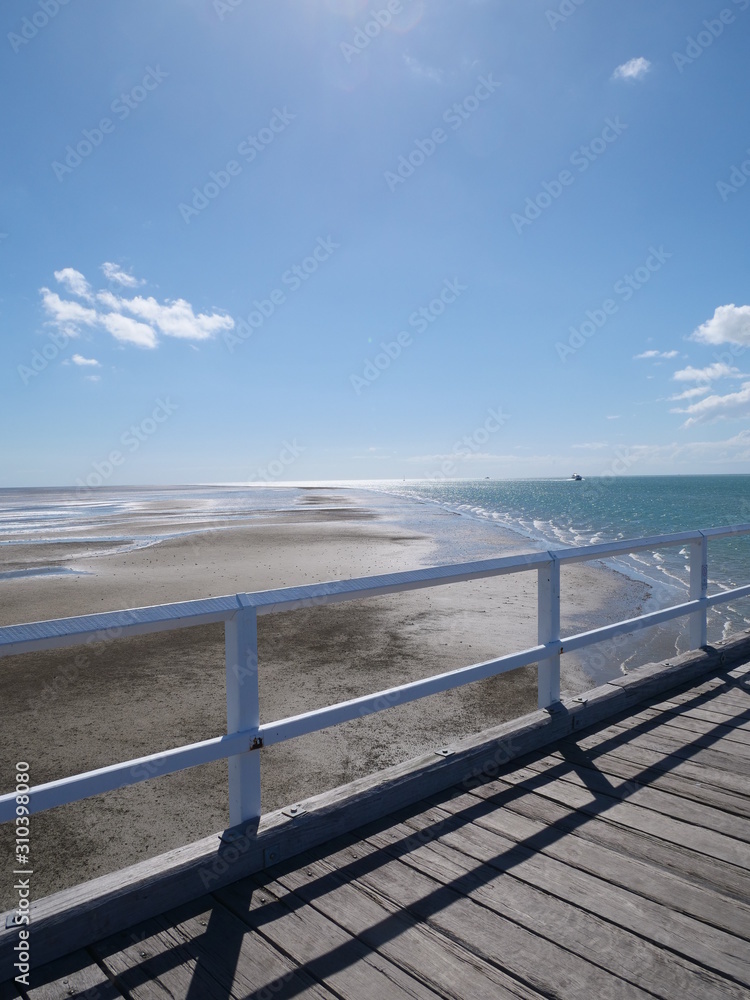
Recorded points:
(131,697)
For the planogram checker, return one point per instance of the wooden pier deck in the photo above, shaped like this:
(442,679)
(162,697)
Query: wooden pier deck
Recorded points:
(612,863)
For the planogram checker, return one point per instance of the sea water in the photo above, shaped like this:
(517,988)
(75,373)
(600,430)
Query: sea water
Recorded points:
(557,513)
(536,513)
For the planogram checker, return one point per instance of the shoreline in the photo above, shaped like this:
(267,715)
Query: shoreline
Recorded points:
(135,696)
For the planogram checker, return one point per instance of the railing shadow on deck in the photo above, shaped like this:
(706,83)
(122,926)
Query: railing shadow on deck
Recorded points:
(226,939)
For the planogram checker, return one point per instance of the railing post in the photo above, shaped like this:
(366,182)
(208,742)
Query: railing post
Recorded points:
(698,589)
(548,630)
(243,710)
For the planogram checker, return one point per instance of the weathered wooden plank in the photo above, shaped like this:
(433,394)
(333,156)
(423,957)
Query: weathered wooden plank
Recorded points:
(716,759)
(665,761)
(241,960)
(538,825)
(605,924)
(658,924)
(203,950)
(684,711)
(535,959)
(681,727)
(734,696)
(327,884)
(718,799)
(150,964)
(623,813)
(538,961)
(553,805)
(587,775)
(694,721)
(76,975)
(699,700)
(78,916)
(318,945)
(713,749)
(724,705)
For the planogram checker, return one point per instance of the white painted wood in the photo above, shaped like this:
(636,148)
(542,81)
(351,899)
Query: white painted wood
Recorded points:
(131,772)
(727,595)
(628,625)
(243,710)
(239,613)
(698,590)
(333,715)
(604,550)
(728,531)
(138,621)
(548,631)
(112,625)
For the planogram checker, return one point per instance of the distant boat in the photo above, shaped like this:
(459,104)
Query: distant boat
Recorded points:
(576,477)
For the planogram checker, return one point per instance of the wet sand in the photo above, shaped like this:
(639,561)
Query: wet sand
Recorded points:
(141,695)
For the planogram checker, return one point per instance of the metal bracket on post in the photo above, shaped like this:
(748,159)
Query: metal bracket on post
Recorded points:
(548,630)
(243,710)
(698,591)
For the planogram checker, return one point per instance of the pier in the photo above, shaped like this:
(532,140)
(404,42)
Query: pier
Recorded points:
(598,847)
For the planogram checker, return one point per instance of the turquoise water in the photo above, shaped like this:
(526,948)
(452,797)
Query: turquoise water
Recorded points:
(561,512)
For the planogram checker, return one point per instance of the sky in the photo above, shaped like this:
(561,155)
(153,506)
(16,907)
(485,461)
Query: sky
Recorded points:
(288,240)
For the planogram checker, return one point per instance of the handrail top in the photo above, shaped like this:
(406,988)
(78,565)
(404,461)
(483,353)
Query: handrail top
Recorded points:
(108,625)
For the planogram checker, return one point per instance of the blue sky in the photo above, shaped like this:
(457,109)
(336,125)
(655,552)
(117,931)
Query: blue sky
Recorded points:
(328,239)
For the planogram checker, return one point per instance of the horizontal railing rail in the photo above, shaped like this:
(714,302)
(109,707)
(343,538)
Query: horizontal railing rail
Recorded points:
(246,736)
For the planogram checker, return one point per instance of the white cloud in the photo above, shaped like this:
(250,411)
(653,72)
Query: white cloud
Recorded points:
(591,445)
(655,354)
(728,325)
(633,69)
(172,318)
(78,359)
(114,273)
(127,330)
(708,374)
(109,299)
(733,405)
(74,282)
(65,314)
(693,453)
(93,378)
(177,319)
(698,390)
(615,416)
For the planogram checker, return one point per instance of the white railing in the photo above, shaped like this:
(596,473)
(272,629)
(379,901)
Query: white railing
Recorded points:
(245,735)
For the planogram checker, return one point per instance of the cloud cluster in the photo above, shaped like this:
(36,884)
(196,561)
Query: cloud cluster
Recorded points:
(719,369)
(728,325)
(698,390)
(715,407)
(114,273)
(633,69)
(74,282)
(656,354)
(137,320)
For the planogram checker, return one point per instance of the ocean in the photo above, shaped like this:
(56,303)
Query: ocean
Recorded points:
(532,514)
(555,513)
